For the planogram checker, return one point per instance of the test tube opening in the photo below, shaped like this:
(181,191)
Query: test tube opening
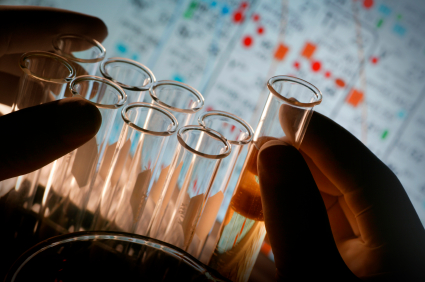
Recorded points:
(102,92)
(78,48)
(127,73)
(176,96)
(47,67)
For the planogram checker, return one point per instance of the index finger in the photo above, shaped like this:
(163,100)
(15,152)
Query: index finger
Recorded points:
(29,28)
(374,194)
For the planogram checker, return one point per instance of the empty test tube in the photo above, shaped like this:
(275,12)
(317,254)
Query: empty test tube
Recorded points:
(183,101)
(128,201)
(45,77)
(84,53)
(189,181)
(285,116)
(135,79)
(239,133)
(74,189)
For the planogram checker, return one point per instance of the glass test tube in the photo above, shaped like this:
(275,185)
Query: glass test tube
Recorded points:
(183,101)
(191,176)
(128,203)
(70,200)
(44,79)
(285,116)
(84,53)
(135,79)
(239,133)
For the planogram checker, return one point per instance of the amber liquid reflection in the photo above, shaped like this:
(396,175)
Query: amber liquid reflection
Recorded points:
(243,232)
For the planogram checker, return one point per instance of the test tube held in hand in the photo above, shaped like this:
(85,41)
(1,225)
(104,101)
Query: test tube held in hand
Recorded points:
(285,116)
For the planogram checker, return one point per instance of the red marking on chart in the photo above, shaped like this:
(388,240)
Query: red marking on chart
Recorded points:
(368,4)
(256,17)
(355,97)
(244,5)
(260,30)
(339,82)
(233,128)
(374,60)
(281,52)
(209,108)
(327,74)
(308,50)
(237,17)
(194,185)
(247,41)
(297,65)
(315,66)
(224,124)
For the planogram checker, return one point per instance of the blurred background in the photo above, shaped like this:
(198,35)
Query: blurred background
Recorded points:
(366,56)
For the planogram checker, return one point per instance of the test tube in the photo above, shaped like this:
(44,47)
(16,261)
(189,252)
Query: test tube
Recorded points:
(129,198)
(183,101)
(44,78)
(239,133)
(135,79)
(191,176)
(84,53)
(69,201)
(285,116)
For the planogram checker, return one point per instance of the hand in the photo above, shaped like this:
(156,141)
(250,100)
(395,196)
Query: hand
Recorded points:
(333,209)
(36,136)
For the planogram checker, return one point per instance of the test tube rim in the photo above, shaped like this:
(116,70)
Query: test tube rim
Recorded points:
(300,81)
(56,57)
(112,60)
(80,78)
(71,57)
(179,84)
(210,132)
(169,132)
(247,126)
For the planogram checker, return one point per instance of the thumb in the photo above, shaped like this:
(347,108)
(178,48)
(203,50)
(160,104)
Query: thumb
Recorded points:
(295,216)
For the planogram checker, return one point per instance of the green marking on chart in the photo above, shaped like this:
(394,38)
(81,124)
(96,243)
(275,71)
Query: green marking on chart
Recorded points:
(188,14)
(384,134)
(380,22)
(399,17)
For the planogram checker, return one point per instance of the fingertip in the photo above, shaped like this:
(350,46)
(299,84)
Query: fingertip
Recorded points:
(82,120)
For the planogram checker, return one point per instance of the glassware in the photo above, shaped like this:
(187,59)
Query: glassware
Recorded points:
(84,53)
(108,256)
(285,116)
(183,101)
(135,79)
(74,187)
(188,183)
(128,186)
(44,78)
(239,133)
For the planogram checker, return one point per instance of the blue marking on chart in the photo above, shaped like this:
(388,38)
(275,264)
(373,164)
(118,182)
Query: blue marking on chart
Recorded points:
(121,48)
(178,77)
(399,29)
(401,114)
(384,9)
(225,10)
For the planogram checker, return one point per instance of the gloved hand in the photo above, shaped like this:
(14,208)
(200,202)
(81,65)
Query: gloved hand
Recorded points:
(35,136)
(334,211)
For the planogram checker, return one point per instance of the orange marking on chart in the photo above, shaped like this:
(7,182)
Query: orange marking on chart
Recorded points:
(281,52)
(339,82)
(355,97)
(308,50)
